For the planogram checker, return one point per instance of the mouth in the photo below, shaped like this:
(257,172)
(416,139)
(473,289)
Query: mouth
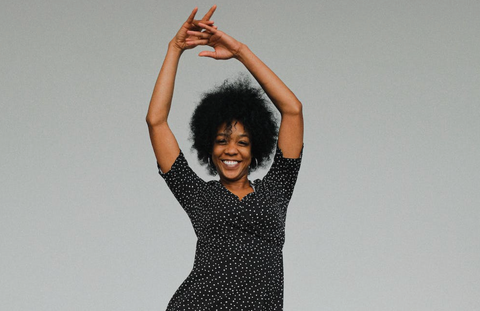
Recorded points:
(230,163)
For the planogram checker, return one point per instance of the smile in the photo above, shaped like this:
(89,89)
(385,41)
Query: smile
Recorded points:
(230,163)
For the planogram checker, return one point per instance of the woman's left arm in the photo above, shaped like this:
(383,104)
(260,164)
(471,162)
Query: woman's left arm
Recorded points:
(290,136)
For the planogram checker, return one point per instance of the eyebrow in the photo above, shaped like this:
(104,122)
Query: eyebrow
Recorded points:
(228,135)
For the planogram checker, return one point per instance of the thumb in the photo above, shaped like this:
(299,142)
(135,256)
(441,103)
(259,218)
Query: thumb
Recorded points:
(207,54)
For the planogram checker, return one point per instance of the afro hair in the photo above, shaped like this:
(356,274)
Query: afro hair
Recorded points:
(231,102)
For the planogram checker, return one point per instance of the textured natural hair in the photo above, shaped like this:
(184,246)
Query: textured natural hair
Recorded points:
(231,102)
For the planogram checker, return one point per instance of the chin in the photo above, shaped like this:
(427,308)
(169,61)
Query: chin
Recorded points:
(233,176)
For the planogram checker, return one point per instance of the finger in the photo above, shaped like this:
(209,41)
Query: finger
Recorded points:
(199,34)
(210,29)
(192,16)
(207,54)
(193,43)
(209,13)
(195,23)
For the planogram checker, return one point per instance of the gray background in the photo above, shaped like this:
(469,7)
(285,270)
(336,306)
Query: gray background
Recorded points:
(385,215)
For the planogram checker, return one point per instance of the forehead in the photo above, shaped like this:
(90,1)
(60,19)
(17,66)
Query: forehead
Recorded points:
(234,128)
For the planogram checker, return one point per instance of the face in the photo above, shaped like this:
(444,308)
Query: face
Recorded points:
(232,152)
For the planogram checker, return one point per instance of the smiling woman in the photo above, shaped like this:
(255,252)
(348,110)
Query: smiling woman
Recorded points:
(231,102)
(240,224)
(232,156)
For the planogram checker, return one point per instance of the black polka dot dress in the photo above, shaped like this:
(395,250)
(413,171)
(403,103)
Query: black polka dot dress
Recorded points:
(238,260)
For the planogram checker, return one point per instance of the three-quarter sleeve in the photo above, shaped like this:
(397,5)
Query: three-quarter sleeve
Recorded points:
(185,185)
(282,176)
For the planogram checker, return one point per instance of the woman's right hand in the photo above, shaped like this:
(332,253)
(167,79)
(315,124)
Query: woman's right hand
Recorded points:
(164,143)
(182,36)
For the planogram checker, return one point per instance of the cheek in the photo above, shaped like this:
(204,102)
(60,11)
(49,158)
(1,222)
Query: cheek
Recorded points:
(215,151)
(248,154)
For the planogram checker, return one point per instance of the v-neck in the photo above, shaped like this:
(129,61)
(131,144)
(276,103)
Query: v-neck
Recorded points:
(236,196)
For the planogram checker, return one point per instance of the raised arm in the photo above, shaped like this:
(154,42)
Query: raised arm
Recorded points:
(164,143)
(290,136)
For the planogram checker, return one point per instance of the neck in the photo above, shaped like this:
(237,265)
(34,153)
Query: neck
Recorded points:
(236,185)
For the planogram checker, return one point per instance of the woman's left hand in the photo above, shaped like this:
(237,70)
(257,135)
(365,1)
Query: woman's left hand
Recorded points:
(290,135)
(184,41)
(225,47)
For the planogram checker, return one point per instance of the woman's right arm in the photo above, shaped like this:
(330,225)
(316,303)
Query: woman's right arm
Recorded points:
(164,143)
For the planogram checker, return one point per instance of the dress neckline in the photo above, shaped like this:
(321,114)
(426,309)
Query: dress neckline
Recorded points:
(236,196)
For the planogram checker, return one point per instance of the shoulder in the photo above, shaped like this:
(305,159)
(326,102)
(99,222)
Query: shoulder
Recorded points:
(180,172)
(282,175)
(281,162)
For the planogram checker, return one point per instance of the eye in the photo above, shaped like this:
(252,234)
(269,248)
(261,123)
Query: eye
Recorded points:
(220,141)
(244,143)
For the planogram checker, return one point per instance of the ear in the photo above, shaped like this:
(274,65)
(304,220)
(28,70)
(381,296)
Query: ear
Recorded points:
(253,163)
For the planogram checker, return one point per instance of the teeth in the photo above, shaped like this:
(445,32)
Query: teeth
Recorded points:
(230,163)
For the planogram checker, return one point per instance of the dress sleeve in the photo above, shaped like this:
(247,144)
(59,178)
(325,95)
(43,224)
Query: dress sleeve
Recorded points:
(282,176)
(185,185)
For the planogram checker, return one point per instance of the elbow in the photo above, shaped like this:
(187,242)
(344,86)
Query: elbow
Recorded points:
(153,121)
(298,108)
(150,121)
(295,109)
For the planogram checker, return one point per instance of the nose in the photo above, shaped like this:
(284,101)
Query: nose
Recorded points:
(231,148)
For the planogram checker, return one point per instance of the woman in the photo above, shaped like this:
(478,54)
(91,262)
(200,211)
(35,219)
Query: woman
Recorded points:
(239,224)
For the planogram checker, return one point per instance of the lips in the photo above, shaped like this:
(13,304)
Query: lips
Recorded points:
(230,163)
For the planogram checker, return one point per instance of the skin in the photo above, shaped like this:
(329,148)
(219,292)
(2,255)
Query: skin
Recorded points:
(232,155)
(203,32)
(164,143)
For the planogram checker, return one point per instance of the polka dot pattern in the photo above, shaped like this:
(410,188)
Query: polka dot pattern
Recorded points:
(238,260)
